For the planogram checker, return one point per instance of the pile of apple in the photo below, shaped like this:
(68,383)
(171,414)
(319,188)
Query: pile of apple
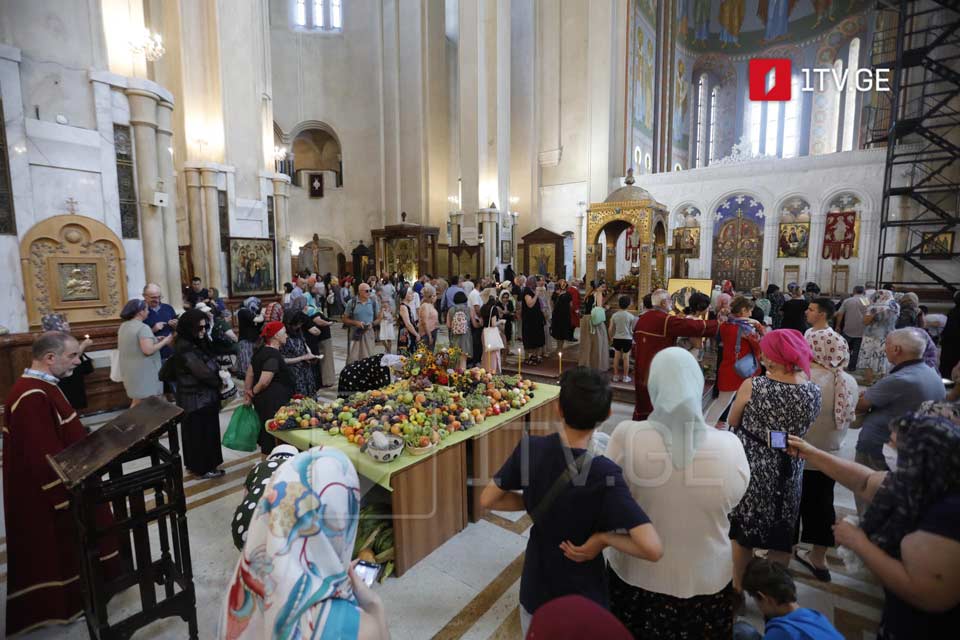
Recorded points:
(423,414)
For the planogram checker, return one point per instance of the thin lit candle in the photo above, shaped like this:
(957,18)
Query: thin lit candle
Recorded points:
(560,368)
(519,363)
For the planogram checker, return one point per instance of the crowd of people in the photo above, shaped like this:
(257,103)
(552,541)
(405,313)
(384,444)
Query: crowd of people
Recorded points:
(617,524)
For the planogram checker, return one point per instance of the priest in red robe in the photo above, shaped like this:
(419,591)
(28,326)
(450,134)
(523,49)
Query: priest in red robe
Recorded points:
(656,330)
(43,555)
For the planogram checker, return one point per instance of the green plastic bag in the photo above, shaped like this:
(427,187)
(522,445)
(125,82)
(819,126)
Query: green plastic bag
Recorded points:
(243,430)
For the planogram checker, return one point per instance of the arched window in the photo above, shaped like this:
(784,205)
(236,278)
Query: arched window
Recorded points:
(300,17)
(318,15)
(318,22)
(775,126)
(712,126)
(336,15)
(850,99)
(702,121)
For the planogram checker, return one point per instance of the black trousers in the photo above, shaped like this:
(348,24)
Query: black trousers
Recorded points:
(854,344)
(817,516)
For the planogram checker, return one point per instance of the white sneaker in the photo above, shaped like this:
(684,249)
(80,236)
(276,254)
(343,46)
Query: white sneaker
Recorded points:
(627,379)
(616,378)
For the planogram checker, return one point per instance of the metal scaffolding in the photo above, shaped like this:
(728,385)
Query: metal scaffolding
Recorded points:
(919,123)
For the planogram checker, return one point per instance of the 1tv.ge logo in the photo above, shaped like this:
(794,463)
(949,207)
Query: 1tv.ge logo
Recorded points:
(771,79)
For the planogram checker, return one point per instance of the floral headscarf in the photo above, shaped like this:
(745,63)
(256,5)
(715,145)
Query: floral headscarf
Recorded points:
(252,304)
(291,579)
(53,322)
(928,470)
(832,352)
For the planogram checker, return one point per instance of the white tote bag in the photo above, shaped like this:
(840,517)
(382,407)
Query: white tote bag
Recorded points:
(491,337)
(115,366)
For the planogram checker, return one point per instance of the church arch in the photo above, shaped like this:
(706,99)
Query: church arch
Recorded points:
(738,239)
(312,145)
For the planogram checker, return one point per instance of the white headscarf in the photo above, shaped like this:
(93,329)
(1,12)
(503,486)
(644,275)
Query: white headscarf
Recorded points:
(676,392)
(291,579)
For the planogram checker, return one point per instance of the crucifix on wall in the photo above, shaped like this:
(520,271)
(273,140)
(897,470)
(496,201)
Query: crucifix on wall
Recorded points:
(680,254)
(72,205)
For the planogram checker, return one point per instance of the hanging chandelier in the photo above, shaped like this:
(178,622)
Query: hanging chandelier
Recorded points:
(149,44)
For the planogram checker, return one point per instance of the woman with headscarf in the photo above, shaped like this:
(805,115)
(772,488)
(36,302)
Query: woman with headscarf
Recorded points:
(509,307)
(254,487)
(491,316)
(909,311)
(533,322)
(839,394)
(248,322)
(767,409)
(727,288)
(198,394)
(688,592)
(909,537)
(268,381)
(760,303)
(739,328)
(294,578)
(544,293)
(295,351)
(139,352)
(560,322)
(775,296)
(879,320)
(594,339)
(74,386)
(794,309)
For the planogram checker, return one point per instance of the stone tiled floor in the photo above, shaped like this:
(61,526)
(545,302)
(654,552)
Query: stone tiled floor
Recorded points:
(468,588)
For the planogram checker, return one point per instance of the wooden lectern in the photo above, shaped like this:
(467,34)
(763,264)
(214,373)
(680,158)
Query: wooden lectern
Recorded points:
(132,440)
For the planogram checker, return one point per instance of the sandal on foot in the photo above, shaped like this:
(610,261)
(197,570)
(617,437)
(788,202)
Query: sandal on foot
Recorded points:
(823,575)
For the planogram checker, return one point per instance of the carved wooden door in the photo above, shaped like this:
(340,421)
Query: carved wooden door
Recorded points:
(738,253)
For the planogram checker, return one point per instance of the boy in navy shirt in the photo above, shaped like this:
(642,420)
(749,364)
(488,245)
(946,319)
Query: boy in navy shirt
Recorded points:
(576,500)
(775,593)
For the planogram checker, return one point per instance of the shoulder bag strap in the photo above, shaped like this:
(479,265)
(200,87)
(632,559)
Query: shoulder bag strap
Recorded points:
(559,485)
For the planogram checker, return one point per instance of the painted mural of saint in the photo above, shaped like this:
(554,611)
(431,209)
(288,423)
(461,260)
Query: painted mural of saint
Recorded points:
(639,77)
(648,87)
(823,9)
(701,20)
(731,20)
(775,14)
(680,111)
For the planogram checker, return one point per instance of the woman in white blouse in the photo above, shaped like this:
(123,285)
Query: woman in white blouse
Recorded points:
(687,476)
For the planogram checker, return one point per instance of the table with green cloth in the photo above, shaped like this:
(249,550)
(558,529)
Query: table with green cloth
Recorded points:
(429,492)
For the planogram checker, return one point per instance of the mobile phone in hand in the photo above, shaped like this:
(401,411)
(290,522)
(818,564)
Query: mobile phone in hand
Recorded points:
(367,571)
(777,439)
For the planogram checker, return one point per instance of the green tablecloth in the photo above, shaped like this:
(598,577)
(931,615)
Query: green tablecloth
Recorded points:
(380,472)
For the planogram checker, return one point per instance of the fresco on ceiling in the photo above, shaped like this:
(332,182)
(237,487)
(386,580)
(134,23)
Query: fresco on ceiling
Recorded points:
(742,25)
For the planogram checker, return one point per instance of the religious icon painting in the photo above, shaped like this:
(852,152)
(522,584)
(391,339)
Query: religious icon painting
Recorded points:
(840,235)
(937,245)
(252,267)
(315,184)
(794,240)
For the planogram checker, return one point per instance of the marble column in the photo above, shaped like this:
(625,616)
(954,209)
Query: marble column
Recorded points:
(490,218)
(503,108)
(211,209)
(281,189)
(469,91)
(143,119)
(198,248)
(169,213)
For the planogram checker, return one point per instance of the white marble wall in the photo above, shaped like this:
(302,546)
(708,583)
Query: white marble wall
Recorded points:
(51,163)
(337,79)
(817,179)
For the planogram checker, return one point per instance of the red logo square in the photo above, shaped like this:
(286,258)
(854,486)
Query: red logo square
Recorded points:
(770,79)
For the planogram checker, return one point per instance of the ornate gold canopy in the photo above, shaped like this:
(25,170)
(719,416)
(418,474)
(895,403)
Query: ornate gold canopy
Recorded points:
(628,206)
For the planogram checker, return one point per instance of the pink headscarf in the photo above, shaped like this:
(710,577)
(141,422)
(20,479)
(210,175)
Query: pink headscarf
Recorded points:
(831,352)
(787,347)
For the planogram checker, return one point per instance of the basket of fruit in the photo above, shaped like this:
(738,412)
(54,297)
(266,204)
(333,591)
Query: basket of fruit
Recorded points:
(384,448)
